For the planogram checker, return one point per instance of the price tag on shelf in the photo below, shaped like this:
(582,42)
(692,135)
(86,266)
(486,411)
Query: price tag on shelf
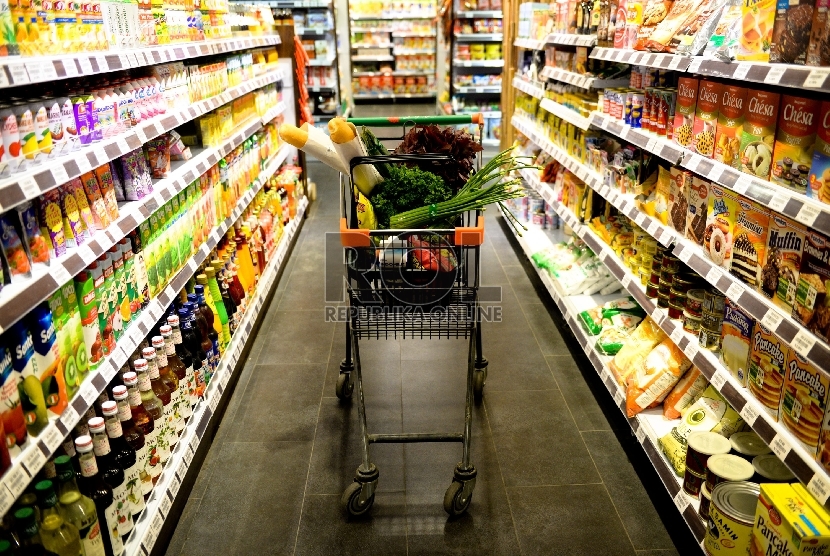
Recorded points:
(16,480)
(716,172)
(742,184)
(88,391)
(124,61)
(60,175)
(6,497)
(691,349)
(173,489)
(29,187)
(652,145)
(693,162)
(681,501)
(714,275)
(108,371)
(618,397)
(102,63)
(100,155)
(626,281)
(652,228)
(647,59)
(164,504)
(135,335)
(52,438)
(132,60)
(104,240)
(803,342)
(60,275)
(18,73)
(141,60)
(119,357)
(734,291)
(675,62)
(69,418)
(741,70)
(819,487)
(83,163)
(676,334)
(640,219)
(187,457)
(775,74)
(85,65)
(718,379)
(33,459)
(658,315)
(694,66)
(808,214)
(749,413)
(780,446)
(816,78)
(641,434)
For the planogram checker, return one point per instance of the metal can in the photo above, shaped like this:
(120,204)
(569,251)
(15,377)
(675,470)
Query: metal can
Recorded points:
(705,502)
(694,302)
(731,515)
(708,339)
(645,122)
(723,468)
(713,301)
(701,446)
(691,323)
(748,445)
(770,469)
(675,310)
(663,299)
(636,117)
(683,282)
(677,298)
(627,103)
(661,117)
(652,290)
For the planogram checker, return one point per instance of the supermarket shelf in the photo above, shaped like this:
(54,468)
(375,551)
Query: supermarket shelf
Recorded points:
(387,45)
(16,70)
(786,75)
(384,96)
(566,114)
(476,14)
(32,183)
(399,73)
(489,89)
(391,17)
(478,63)
(273,112)
(411,51)
(532,89)
(149,524)
(323,62)
(371,30)
(570,39)
(648,426)
(633,57)
(307,31)
(479,37)
(583,81)
(17,300)
(370,59)
(37,450)
(320,88)
(660,146)
(297,3)
(530,44)
(411,34)
(491,142)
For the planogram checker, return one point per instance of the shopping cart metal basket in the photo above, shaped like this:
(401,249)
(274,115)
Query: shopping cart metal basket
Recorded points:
(411,284)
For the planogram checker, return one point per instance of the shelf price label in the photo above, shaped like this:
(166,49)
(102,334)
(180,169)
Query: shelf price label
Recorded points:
(676,335)
(714,275)
(778,202)
(718,379)
(819,487)
(808,214)
(803,343)
(816,78)
(52,438)
(16,480)
(741,70)
(772,319)
(780,446)
(641,434)
(734,292)
(775,74)
(626,281)
(749,413)
(691,349)
(88,391)
(681,500)
(69,417)
(741,185)
(33,459)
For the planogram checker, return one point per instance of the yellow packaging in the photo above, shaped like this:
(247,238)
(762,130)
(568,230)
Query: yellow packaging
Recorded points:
(767,364)
(757,20)
(786,523)
(803,400)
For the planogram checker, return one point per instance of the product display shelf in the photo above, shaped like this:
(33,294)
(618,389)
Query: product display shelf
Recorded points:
(649,425)
(479,37)
(38,449)
(582,81)
(786,75)
(16,300)
(533,89)
(479,14)
(478,63)
(397,17)
(412,51)
(487,89)
(566,114)
(149,524)
(401,73)
(369,58)
(323,62)
(386,96)
(33,182)
(529,44)
(660,146)
(17,70)
(309,31)
(784,443)
(570,39)
(635,57)
(358,45)
(404,34)
(297,3)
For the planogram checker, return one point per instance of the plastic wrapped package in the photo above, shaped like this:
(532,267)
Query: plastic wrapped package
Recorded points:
(693,35)
(684,394)
(654,379)
(636,349)
(680,12)
(14,249)
(655,12)
(594,320)
(723,43)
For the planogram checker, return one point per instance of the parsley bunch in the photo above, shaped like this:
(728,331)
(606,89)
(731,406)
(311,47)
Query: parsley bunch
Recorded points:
(406,189)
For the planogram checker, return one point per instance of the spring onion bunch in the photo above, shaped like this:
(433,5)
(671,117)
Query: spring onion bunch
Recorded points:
(489,185)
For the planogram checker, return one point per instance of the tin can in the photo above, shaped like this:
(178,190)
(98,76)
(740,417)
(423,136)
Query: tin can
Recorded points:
(723,468)
(636,117)
(713,301)
(661,115)
(694,302)
(708,339)
(701,446)
(650,78)
(748,445)
(691,323)
(663,299)
(636,80)
(705,502)
(655,278)
(675,310)
(651,290)
(731,515)
(711,321)
(677,298)
(683,282)
(693,483)
(770,469)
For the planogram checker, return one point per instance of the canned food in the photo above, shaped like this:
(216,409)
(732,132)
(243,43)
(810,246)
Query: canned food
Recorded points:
(636,118)
(691,323)
(705,501)
(645,274)
(677,297)
(694,302)
(683,282)
(721,468)
(709,340)
(731,515)
(663,299)
(770,469)
(692,483)
(748,445)
(670,263)
(675,310)
(656,265)
(665,285)
(655,278)
(627,104)
(701,446)
(651,290)
(711,322)
(713,301)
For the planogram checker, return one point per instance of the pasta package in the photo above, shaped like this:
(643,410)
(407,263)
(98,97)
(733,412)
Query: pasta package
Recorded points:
(636,349)
(684,394)
(651,383)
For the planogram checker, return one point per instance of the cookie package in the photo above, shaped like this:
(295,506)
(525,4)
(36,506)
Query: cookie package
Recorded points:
(680,187)
(820,165)
(767,365)
(758,133)
(795,137)
(810,308)
(818,50)
(730,123)
(785,246)
(757,21)
(699,193)
(684,112)
(749,249)
(706,117)
(721,216)
(791,31)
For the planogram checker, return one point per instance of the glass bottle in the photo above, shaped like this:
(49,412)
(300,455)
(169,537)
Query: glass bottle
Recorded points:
(145,416)
(57,534)
(29,534)
(178,370)
(206,305)
(125,456)
(218,307)
(190,336)
(238,291)
(77,509)
(163,393)
(172,382)
(244,263)
(133,435)
(183,352)
(68,447)
(92,485)
(113,475)
(205,324)
(227,301)
(214,362)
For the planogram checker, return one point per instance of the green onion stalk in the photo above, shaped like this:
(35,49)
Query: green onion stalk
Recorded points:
(475,195)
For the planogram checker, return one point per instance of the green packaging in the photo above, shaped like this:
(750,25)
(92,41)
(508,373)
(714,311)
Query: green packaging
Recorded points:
(88,311)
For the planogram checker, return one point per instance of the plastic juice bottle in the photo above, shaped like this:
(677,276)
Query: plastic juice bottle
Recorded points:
(88,306)
(93,486)
(31,392)
(56,533)
(145,421)
(47,358)
(125,456)
(28,137)
(172,382)
(113,474)
(14,423)
(77,509)
(245,267)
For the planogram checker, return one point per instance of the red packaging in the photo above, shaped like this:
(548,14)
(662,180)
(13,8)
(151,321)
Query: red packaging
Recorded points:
(706,117)
(684,114)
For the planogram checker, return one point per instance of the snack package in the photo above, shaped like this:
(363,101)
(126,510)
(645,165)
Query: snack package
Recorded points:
(684,115)
(803,400)
(96,201)
(662,193)
(758,20)
(721,216)
(795,138)
(818,50)
(158,156)
(811,304)
(699,193)
(791,31)
(36,243)
(636,349)
(779,275)
(710,413)
(709,95)
(633,21)
(723,42)
(50,216)
(685,393)
(730,124)
(749,250)
(655,12)
(679,188)
(612,338)
(737,336)
(117,182)
(594,320)
(14,250)
(107,190)
(365,212)
(820,165)
(680,12)
(767,367)
(651,383)
(758,132)
(694,33)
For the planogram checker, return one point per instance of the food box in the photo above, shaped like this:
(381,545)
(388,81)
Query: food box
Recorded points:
(810,308)
(758,133)
(737,334)
(749,250)
(803,400)
(757,21)
(787,523)
(791,31)
(684,112)
(820,165)
(767,362)
(721,215)
(679,190)
(699,193)
(730,123)
(818,50)
(794,141)
(706,117)
(785,245)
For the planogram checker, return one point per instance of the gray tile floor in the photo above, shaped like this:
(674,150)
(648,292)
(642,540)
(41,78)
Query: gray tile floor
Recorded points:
(559,473)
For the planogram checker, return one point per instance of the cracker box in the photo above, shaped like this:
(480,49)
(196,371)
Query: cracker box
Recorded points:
(786,523)
(818,51)
(757,21)
(791,31)
(749,249)
(758,133)
(820,165)
(684,111)
(803,400)
(681,183)
(794,140)
(699,192)
(767,361)
(737,336)
(730,123)
(721,215)
(706,117)
(810,307)
(823,450)
(785,245)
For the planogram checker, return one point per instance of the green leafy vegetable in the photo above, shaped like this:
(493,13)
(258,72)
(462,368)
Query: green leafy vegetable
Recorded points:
(405,189)
(431,139)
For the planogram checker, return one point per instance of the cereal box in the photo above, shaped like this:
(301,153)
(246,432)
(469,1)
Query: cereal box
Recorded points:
(758,133)
(737,335)
(757,21)
(767,360)
(730,123)
(721,215)
(698,202)
(706,117)
(779,275)
(749,249)
(787,523)
(803,400)
(681,183)
(818,51)
(820,165)
(684,112)
(791,31)
(794,140)
(810,307)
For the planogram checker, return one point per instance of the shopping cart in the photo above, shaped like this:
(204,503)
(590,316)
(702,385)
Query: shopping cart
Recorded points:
(411,284)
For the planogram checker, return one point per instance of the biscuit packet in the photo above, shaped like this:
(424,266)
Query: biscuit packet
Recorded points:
(655,12)
(721,216)
(766,368)
(681,181)
(794,141)
(820,165)
(723,41)
(757,22)
(699,193)
(684,113)
(791,31)
(803,400)
(749,250)
(758,133)
(730,122)
(709,95)
(779,275)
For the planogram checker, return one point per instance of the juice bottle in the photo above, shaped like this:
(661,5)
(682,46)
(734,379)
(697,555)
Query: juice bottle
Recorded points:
(88,306)
(43,132)
(56,533)
(206,302)
(133,435)
(77,509)
(219,306)
(93,486)
(113,474)
(125,456)
(171,381)
(179,371)
(29,387)
(28,138)
(14,424)
(119,289)
(244,263)
(147,411)
(53,110)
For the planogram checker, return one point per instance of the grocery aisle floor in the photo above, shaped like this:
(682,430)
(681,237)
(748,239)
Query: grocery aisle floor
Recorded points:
(557,465)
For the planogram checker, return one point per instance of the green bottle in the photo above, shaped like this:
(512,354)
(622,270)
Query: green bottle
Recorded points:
(78,509)
(219,307)
(57,534)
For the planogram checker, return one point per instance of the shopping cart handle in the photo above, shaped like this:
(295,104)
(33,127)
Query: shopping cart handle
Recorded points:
(461,119)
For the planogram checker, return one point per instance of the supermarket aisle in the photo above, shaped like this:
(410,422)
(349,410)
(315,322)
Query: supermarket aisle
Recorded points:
(554,471)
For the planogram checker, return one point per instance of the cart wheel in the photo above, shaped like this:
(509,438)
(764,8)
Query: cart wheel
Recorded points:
(344,387)
(350,501)
(454,503)
(479,379)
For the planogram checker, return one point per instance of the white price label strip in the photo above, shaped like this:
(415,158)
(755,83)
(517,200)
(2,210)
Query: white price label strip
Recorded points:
(618,397)
(780,446)
(164,505)
(775,74)
(69,417)
(29,187)
(749,413)
(716,172)
(86,65)
(741,71)
(677,334)
(778,202)
(691,349)
(694,66)
(60,275)
(714,275)
(52,438)
(626,281)
(83,164)
(742,184)
(718,379)
(33,459)
(803,343)
(681,500)
(641,434)
(816,78)
(686,254)
(16,480)
(771,320)
(808,214)
(88,391)
(819,487)
(675,62)
(60,175)
(734,291)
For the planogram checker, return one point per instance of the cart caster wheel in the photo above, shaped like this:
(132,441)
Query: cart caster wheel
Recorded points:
(455,501)
(344,387)
(479,379)
(350,501)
